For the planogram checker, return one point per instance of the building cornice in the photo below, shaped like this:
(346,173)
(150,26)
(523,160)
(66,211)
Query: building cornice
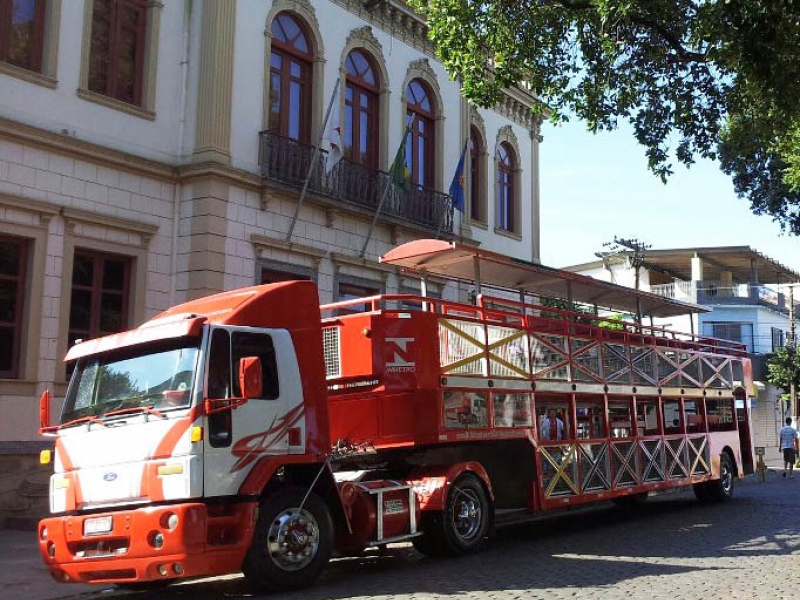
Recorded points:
(68,145)
(399,21)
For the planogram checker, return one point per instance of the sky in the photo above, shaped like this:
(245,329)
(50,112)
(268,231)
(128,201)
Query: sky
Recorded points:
(595,187)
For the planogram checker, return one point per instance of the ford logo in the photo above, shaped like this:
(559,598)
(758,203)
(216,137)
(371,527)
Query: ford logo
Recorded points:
(109,477)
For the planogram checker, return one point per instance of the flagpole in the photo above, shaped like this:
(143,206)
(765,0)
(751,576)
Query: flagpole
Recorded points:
(375,216)
(459,167)
(314,156)
(406,132)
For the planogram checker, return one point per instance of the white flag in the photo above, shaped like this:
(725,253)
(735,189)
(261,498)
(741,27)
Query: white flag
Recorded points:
(333,137)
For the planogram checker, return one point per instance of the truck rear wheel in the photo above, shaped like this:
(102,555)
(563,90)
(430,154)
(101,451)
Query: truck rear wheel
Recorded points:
(462,526)
(718,490)
(291,546)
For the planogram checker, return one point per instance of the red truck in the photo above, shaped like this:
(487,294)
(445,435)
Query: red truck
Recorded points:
(256,431)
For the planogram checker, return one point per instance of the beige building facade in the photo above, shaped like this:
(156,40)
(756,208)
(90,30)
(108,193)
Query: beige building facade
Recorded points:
(153,152)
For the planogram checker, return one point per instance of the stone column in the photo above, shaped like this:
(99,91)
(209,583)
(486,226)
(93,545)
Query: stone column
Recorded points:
(213,140)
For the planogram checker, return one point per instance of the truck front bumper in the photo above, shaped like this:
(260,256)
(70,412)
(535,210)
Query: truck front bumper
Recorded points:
(147,543)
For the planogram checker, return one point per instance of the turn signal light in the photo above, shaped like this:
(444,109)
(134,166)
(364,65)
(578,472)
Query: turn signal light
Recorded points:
(196,433)
(45,456)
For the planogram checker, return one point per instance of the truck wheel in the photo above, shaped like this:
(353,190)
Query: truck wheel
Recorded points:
(462,526)
(290,546)
(717,490)
(722,488)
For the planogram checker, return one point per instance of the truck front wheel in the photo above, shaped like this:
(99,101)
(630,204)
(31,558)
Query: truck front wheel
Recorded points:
(461,528)
(291,546)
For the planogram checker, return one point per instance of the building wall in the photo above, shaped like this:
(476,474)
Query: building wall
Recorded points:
(78,171)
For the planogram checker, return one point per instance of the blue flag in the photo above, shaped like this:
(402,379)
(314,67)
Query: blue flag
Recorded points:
(457,186)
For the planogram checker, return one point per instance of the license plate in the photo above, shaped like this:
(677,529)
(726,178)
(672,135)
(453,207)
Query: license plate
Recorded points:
(97,525)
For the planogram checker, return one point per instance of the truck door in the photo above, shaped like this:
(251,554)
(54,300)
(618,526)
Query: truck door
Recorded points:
(239,437)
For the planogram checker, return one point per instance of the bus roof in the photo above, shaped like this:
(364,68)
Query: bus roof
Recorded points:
(469,263)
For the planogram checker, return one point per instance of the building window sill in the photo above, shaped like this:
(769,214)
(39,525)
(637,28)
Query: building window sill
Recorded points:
(108,102)
(508,234)
(29,76)
(479,224)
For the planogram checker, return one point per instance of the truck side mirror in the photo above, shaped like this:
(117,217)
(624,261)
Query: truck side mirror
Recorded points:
(251,381)
(44,410)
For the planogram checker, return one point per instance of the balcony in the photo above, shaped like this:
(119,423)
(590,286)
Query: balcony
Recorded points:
(353,186)
(712,293)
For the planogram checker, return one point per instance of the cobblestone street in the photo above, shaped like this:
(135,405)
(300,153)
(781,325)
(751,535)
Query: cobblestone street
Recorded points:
(671,548)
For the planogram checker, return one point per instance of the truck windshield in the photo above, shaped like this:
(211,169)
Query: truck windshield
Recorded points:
(159,380)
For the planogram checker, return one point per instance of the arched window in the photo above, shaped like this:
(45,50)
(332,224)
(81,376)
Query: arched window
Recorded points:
(420,148)
(506,166)
(477,211)
(361,110)
(290,79)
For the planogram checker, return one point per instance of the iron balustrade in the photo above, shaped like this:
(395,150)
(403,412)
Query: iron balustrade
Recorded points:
(287,161)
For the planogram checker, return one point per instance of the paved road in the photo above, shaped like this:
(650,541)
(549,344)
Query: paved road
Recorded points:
(672,548)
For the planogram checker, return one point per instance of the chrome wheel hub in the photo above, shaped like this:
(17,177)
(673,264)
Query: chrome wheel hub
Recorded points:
(293,539)
(467,514)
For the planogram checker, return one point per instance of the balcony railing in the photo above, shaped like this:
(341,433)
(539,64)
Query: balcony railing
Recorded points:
(350,184)
(713,293)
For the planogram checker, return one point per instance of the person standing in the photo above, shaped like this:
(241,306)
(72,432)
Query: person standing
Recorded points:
(788,436)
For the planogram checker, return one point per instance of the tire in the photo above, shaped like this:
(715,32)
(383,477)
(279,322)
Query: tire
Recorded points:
(462,526)
(717,490)
(306,541)
(630,501)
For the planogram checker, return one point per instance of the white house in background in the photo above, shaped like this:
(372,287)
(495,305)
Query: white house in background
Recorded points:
(749,301)
(153,151)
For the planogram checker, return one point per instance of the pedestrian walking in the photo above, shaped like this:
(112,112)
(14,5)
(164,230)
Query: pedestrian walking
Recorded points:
(788,436)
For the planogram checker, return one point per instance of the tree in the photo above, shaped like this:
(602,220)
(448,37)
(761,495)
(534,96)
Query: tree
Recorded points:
(709,78)
(782,367)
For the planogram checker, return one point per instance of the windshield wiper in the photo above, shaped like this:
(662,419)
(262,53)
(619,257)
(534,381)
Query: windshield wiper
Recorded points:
(135,409)
(80,420)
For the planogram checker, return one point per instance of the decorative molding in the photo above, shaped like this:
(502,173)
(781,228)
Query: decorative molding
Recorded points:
(305,10)
(261,243)
(74,216)
(331,214)
(340,259)
(67,145)
(506,134)
(245,179)
(29,76)
(43,210)
(476,119)
(396,19)
(18,387)
(364,38)
(109,102)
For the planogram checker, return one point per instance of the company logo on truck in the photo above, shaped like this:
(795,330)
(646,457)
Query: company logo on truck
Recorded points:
(400,362)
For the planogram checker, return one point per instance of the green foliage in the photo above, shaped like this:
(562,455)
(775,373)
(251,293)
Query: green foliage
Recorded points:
(782,367)
(686,74)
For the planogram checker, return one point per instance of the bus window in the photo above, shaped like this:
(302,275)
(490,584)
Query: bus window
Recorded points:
(589,414)
(553,420)
(647,416)
(693,416)
(512,410)
(619,417)
(672,417)
(719,413)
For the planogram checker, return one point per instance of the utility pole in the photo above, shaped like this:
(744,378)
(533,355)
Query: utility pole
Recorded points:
(632,248)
